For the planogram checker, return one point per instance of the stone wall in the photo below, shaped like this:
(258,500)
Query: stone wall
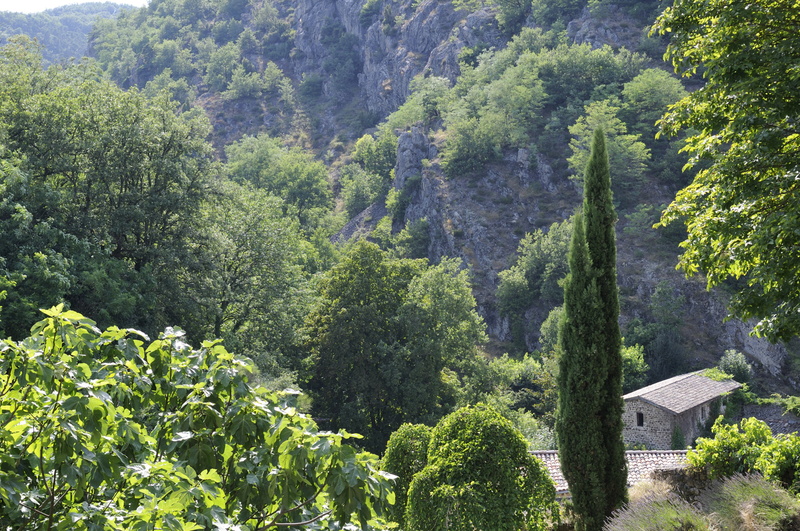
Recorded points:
(656,433)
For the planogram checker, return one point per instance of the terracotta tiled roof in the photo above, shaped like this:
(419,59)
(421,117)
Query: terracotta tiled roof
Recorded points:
(640,465)
(683,392)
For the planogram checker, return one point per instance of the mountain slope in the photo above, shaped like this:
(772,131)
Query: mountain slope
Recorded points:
(63,32)
(490,108)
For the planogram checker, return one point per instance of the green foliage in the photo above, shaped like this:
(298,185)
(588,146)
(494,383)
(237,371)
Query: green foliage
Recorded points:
(377,155)
(626,153)
(737,208)
(548,332)
(369,12)
(292,175)
(343,62)
(397,200)
(413,240)
(63,32)
(525,392)
(221,67)
(589,417)
(749,447)
(359,188)
(100,190)
(678,439)
(247,281)
(645,99)
(406,455)
(191,38)
(108,430)
(243,84)
(479,476)
(471,144)
(549,12)
(530,91)
(540,267)
(734,363)
(380,335)
(424,103)
(658,333)
(512,14)
(634,368)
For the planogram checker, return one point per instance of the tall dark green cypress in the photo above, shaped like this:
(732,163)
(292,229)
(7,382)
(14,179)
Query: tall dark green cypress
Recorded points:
(589,425)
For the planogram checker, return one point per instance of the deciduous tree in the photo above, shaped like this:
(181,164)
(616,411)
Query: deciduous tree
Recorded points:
(740,211)
(380,336)
(108,430)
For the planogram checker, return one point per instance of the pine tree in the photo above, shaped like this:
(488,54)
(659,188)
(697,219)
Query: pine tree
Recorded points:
(589,425)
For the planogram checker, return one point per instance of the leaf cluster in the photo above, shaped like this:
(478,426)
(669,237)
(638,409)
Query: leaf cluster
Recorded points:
(747,447)
(108,430)
(744,140)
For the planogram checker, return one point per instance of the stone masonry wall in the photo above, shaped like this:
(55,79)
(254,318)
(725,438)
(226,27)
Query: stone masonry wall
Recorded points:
(656,434)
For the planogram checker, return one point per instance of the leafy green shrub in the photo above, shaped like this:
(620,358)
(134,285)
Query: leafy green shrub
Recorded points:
(413,240)
(734,363)
(479,476)
(406,455)
(377,155)
(368,12)
(397,200)
(310,87)
(678,439)
(749,447)
(243,84)
(540,266)
(734,448)
(634,368)
(359,188)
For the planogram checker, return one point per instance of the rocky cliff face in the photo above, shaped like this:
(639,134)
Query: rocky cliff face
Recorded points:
(482,219)
(396,42)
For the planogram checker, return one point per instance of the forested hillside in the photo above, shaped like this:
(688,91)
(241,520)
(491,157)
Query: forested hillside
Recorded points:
(360,213)
(62,31)
(214,164)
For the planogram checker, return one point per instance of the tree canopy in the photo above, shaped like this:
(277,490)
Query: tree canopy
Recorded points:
(379,337)
(100,190)
(109,430)
(740,211)
(479,475)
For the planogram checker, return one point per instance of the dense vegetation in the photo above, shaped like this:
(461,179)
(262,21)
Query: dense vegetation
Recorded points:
(167,184)
(62,31)
(109,430)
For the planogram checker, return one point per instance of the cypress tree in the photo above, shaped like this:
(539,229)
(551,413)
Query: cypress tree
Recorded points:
(589,425)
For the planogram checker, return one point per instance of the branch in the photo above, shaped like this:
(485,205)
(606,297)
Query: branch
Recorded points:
(291,524)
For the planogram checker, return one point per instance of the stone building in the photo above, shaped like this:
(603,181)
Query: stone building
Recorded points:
(681,404)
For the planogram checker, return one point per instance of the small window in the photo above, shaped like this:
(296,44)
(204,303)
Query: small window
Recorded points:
(640,419)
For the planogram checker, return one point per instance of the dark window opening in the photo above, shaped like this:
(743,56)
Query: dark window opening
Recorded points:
(640,419)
